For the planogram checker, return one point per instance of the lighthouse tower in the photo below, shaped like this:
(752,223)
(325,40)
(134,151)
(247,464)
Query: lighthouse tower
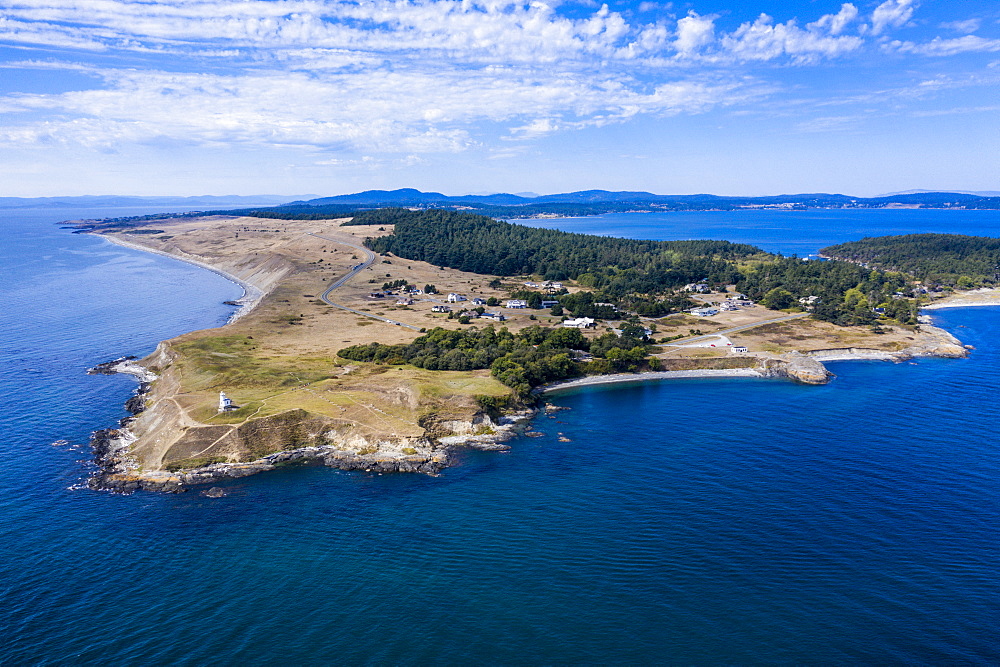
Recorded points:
(225,403)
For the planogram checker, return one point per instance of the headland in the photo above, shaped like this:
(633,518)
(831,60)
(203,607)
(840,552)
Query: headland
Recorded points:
(296,399)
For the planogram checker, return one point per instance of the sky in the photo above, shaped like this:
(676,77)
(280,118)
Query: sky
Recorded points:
(325,97)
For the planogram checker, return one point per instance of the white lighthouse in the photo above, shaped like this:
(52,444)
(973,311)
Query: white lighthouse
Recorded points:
(225,403)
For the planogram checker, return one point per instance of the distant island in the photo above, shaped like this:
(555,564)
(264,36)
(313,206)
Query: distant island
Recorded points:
(587,202)
(385,340)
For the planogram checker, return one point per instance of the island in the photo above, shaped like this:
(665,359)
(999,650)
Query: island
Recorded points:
(387,340)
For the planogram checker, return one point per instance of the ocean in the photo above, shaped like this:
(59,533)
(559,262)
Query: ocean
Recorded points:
(683,522)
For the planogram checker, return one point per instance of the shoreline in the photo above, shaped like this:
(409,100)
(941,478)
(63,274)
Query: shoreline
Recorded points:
(650,376)
(252,295)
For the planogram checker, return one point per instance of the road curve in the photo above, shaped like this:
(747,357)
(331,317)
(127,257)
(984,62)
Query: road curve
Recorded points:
(369,260)
(742,327)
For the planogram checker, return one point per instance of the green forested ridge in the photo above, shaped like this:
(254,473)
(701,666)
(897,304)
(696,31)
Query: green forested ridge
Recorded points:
(639,276)
(480,244)
(946,259)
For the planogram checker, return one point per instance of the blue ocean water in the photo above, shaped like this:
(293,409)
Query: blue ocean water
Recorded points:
(685,522)
(799,233)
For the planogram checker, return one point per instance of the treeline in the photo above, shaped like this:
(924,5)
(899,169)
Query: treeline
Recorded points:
(532,357)
(640,276)
(944,259)
(615,266)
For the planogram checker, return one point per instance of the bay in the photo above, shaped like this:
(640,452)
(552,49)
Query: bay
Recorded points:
(800,233)
(684,522)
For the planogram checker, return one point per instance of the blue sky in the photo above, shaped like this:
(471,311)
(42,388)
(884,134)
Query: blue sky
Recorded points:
(190,97)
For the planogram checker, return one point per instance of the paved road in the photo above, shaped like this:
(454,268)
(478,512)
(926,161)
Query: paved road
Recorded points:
(358,268)
(742,327)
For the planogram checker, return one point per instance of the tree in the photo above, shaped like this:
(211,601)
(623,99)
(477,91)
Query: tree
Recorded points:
(777,299)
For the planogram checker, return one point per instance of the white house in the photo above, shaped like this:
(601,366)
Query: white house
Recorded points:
(404,301)
(225,403)
(515,303)
(440,309)
(531,284)
(496,317)
(704,312)
(455,298)
(740,349)
(478,301)
(580,323)
(549,303)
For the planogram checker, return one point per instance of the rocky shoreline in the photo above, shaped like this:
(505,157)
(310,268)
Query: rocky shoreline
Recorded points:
(119,472)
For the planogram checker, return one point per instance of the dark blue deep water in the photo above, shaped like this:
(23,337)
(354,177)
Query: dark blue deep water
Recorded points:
(686,522)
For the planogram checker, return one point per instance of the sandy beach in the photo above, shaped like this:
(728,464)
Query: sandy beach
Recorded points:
(651,376)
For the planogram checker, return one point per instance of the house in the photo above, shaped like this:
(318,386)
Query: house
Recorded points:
(704,311)
(700,288)
(515,303)
(601,304)
(552,286)
(496,317)
(455,298)
(226,404)
(471,314)
(729,305)
(440,309)
(404,301)
(376,295)
(531,284)
(549,303)
(808,300)
(740,349)
(478,301)
(580,323)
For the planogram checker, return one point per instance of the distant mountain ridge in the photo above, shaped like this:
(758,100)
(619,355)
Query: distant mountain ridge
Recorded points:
(413,197)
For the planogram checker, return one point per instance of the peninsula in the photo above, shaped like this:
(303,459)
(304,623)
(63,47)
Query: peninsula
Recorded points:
(386,340)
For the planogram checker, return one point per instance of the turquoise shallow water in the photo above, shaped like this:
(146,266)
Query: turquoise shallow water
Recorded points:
(685,522)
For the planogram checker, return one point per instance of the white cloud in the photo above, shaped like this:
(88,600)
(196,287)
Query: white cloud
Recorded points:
(948,47)
(835,24)
(386,112)
(891,14)
(765,40)
(694,32)
(967,26)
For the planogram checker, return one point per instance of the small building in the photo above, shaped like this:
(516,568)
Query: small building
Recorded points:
(455,298)
(549,303)
(440,309)
(580,323)
(531,284)
(704,312)
(376,295)
(808,300)
(479,301)
(515,303)
(700,288)
(729,305)
(496,317)
(404,301)
(740,349)
(226,404)
(471,314)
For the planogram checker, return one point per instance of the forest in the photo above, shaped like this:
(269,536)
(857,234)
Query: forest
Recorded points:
(640,276)
(532,357)
(934,259)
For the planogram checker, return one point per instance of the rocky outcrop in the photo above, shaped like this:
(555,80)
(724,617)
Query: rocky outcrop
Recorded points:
(798,367)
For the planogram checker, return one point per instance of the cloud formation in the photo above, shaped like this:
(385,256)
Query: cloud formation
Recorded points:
(402,76)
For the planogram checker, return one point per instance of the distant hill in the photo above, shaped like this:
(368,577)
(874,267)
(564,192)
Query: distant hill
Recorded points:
(588,202)
(978,193)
